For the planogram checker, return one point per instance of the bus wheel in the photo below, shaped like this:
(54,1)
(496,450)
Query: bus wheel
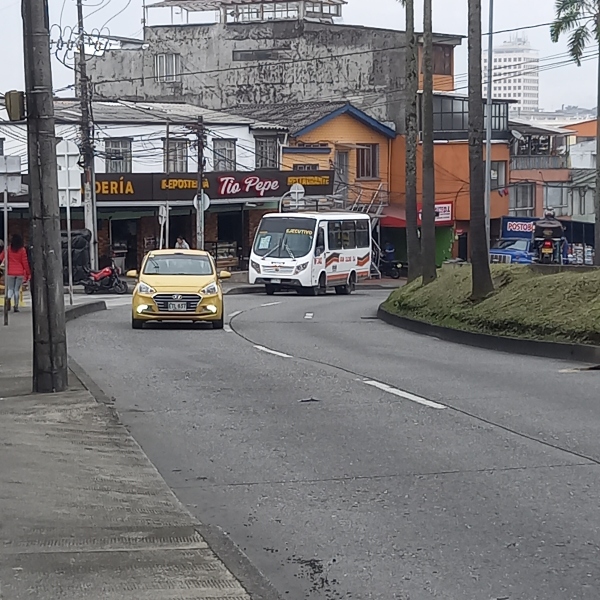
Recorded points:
(322,287)
(349,288)
(270,289)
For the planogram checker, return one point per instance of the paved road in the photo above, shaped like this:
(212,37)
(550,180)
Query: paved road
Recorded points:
(349,459)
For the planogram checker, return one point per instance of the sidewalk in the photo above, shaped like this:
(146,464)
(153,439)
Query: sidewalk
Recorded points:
(85,515)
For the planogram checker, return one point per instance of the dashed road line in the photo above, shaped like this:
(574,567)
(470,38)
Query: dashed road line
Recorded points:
(274,352)
(271,304)
(309,315)
(402,394)
(235,314)
(227,328)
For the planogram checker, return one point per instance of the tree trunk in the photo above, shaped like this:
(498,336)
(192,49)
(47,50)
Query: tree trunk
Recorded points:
(413,241)
(428,207)
(597,189)
(482,279)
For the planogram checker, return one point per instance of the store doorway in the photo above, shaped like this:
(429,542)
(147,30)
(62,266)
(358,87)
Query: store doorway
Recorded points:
(229,239)
(124,242)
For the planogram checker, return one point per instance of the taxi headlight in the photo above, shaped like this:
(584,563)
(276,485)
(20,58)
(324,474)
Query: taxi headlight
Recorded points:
(144,288)
(210,290)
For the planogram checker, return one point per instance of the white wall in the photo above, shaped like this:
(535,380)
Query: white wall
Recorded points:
(583,155)
(147,143)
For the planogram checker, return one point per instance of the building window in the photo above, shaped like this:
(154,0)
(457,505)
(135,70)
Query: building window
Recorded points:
(267,152)
(167,67)
(306,167)
(442,60)
(498,174)
(118,155)
(1,146)
(450,114)
(224,155)
(521,200)
(176,156)
(367,161)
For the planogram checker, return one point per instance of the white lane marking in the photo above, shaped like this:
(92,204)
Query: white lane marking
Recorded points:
(271,304)
(406,395)
(269,351)
(309,315)
(227,328)
(235,314)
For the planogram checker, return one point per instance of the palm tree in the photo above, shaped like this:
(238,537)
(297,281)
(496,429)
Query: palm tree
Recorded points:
(581,20)
(413,242)
(428,208)
(482,278)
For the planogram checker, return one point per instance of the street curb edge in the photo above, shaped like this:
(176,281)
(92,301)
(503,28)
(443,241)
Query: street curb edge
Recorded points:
(541,349)
(80,310)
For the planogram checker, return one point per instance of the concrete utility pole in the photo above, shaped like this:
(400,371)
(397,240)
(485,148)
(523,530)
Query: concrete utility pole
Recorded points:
(87,148)
(50,373)
(200,199)
(488,124)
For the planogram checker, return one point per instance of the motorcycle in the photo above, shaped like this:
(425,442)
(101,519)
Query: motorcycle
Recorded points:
(390,268)
(548,238)
(105,280)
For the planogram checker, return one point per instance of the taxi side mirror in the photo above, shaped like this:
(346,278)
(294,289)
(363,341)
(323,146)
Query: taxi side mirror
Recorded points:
(224,275)
(133,274)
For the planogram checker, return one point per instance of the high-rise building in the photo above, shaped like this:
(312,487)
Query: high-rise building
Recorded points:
(515,74)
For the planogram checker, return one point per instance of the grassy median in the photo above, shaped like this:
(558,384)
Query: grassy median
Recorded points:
(562,307)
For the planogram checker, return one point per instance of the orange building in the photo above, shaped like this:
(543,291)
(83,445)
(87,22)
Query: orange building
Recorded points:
(584,131)
(452,188)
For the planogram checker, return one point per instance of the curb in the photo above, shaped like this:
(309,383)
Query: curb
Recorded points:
(80,310)
(541,349)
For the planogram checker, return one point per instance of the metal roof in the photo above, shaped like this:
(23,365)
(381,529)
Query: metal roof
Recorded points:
(121,111)
(529,128)
(206,5)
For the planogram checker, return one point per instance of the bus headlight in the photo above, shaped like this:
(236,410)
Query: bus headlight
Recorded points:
(300,268)
(255,266)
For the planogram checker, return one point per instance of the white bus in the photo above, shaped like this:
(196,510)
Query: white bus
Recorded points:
(311,252)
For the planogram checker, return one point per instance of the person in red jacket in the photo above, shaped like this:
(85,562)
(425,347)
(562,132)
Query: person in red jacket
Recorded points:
(16,269)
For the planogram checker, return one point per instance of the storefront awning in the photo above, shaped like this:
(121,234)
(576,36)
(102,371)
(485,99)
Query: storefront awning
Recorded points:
(394,217)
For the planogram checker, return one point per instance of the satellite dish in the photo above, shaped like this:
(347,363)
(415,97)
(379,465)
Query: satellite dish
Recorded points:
(517,135)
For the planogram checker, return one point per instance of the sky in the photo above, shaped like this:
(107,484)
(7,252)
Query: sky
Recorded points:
(567,85)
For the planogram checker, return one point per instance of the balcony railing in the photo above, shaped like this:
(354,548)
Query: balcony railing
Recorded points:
(536,163)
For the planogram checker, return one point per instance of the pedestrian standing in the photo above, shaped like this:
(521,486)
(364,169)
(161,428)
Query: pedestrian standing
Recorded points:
(181,244)
(16,269)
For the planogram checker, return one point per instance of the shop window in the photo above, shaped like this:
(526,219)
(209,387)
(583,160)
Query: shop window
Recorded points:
(117,155)
(367,157)
(363,238)
(498,174)
(167,67)
(348,235)
(334,229)
(176,156)
(224,155)
(306,167)
(267,152)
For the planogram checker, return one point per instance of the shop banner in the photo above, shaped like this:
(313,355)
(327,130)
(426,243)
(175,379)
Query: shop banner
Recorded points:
(517,228)
(444,214)
(240,185)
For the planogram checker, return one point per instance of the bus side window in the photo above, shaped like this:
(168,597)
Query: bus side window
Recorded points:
(362,234)
(320,247)
(349,235)
(335,235)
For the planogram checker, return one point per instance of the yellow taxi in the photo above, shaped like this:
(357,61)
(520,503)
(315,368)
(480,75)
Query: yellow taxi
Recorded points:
(178,285)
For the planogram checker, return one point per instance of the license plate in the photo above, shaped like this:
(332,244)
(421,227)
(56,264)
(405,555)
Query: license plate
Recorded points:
(275,280)
(547,251)
(177,306)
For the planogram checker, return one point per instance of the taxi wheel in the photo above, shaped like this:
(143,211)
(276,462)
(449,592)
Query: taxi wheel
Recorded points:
(218,324)
(137,323)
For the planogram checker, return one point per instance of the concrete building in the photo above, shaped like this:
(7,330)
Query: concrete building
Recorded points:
(515,74)
(264,52)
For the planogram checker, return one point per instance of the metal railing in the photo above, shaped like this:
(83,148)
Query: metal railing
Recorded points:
(530,163)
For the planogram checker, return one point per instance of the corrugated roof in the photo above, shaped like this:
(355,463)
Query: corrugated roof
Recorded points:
(294,116)
(529,128)
(108,112)
(583,177)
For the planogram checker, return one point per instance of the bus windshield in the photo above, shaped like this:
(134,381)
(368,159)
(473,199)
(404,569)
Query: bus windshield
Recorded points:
(282,237)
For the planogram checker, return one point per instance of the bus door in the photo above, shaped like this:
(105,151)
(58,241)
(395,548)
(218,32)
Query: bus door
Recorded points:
(320,252)
(333,261)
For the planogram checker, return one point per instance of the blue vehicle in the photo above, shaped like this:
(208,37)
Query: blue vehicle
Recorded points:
(516,245)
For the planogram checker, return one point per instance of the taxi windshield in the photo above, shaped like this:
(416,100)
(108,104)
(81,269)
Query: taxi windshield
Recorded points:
(178,264)
(285,237)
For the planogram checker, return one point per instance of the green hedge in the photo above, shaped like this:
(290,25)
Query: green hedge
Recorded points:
(527,304)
